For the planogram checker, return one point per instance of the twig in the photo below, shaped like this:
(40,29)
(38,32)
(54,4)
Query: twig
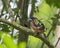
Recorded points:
(57,42)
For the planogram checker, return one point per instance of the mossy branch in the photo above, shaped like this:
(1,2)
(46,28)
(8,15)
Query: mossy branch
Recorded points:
(28,31)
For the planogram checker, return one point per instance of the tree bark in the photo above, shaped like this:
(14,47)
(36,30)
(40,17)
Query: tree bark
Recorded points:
(23,37)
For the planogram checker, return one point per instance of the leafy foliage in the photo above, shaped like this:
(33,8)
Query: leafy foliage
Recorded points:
(54,2)
(47,15)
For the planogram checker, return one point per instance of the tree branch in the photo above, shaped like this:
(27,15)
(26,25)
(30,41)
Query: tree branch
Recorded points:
(29,31)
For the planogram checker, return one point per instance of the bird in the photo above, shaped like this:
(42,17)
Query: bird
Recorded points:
(37,25)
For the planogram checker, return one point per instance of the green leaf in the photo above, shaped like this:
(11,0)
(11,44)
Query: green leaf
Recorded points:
(34,42)
(1,46)
(8,41)
(44,11)
(22,44)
